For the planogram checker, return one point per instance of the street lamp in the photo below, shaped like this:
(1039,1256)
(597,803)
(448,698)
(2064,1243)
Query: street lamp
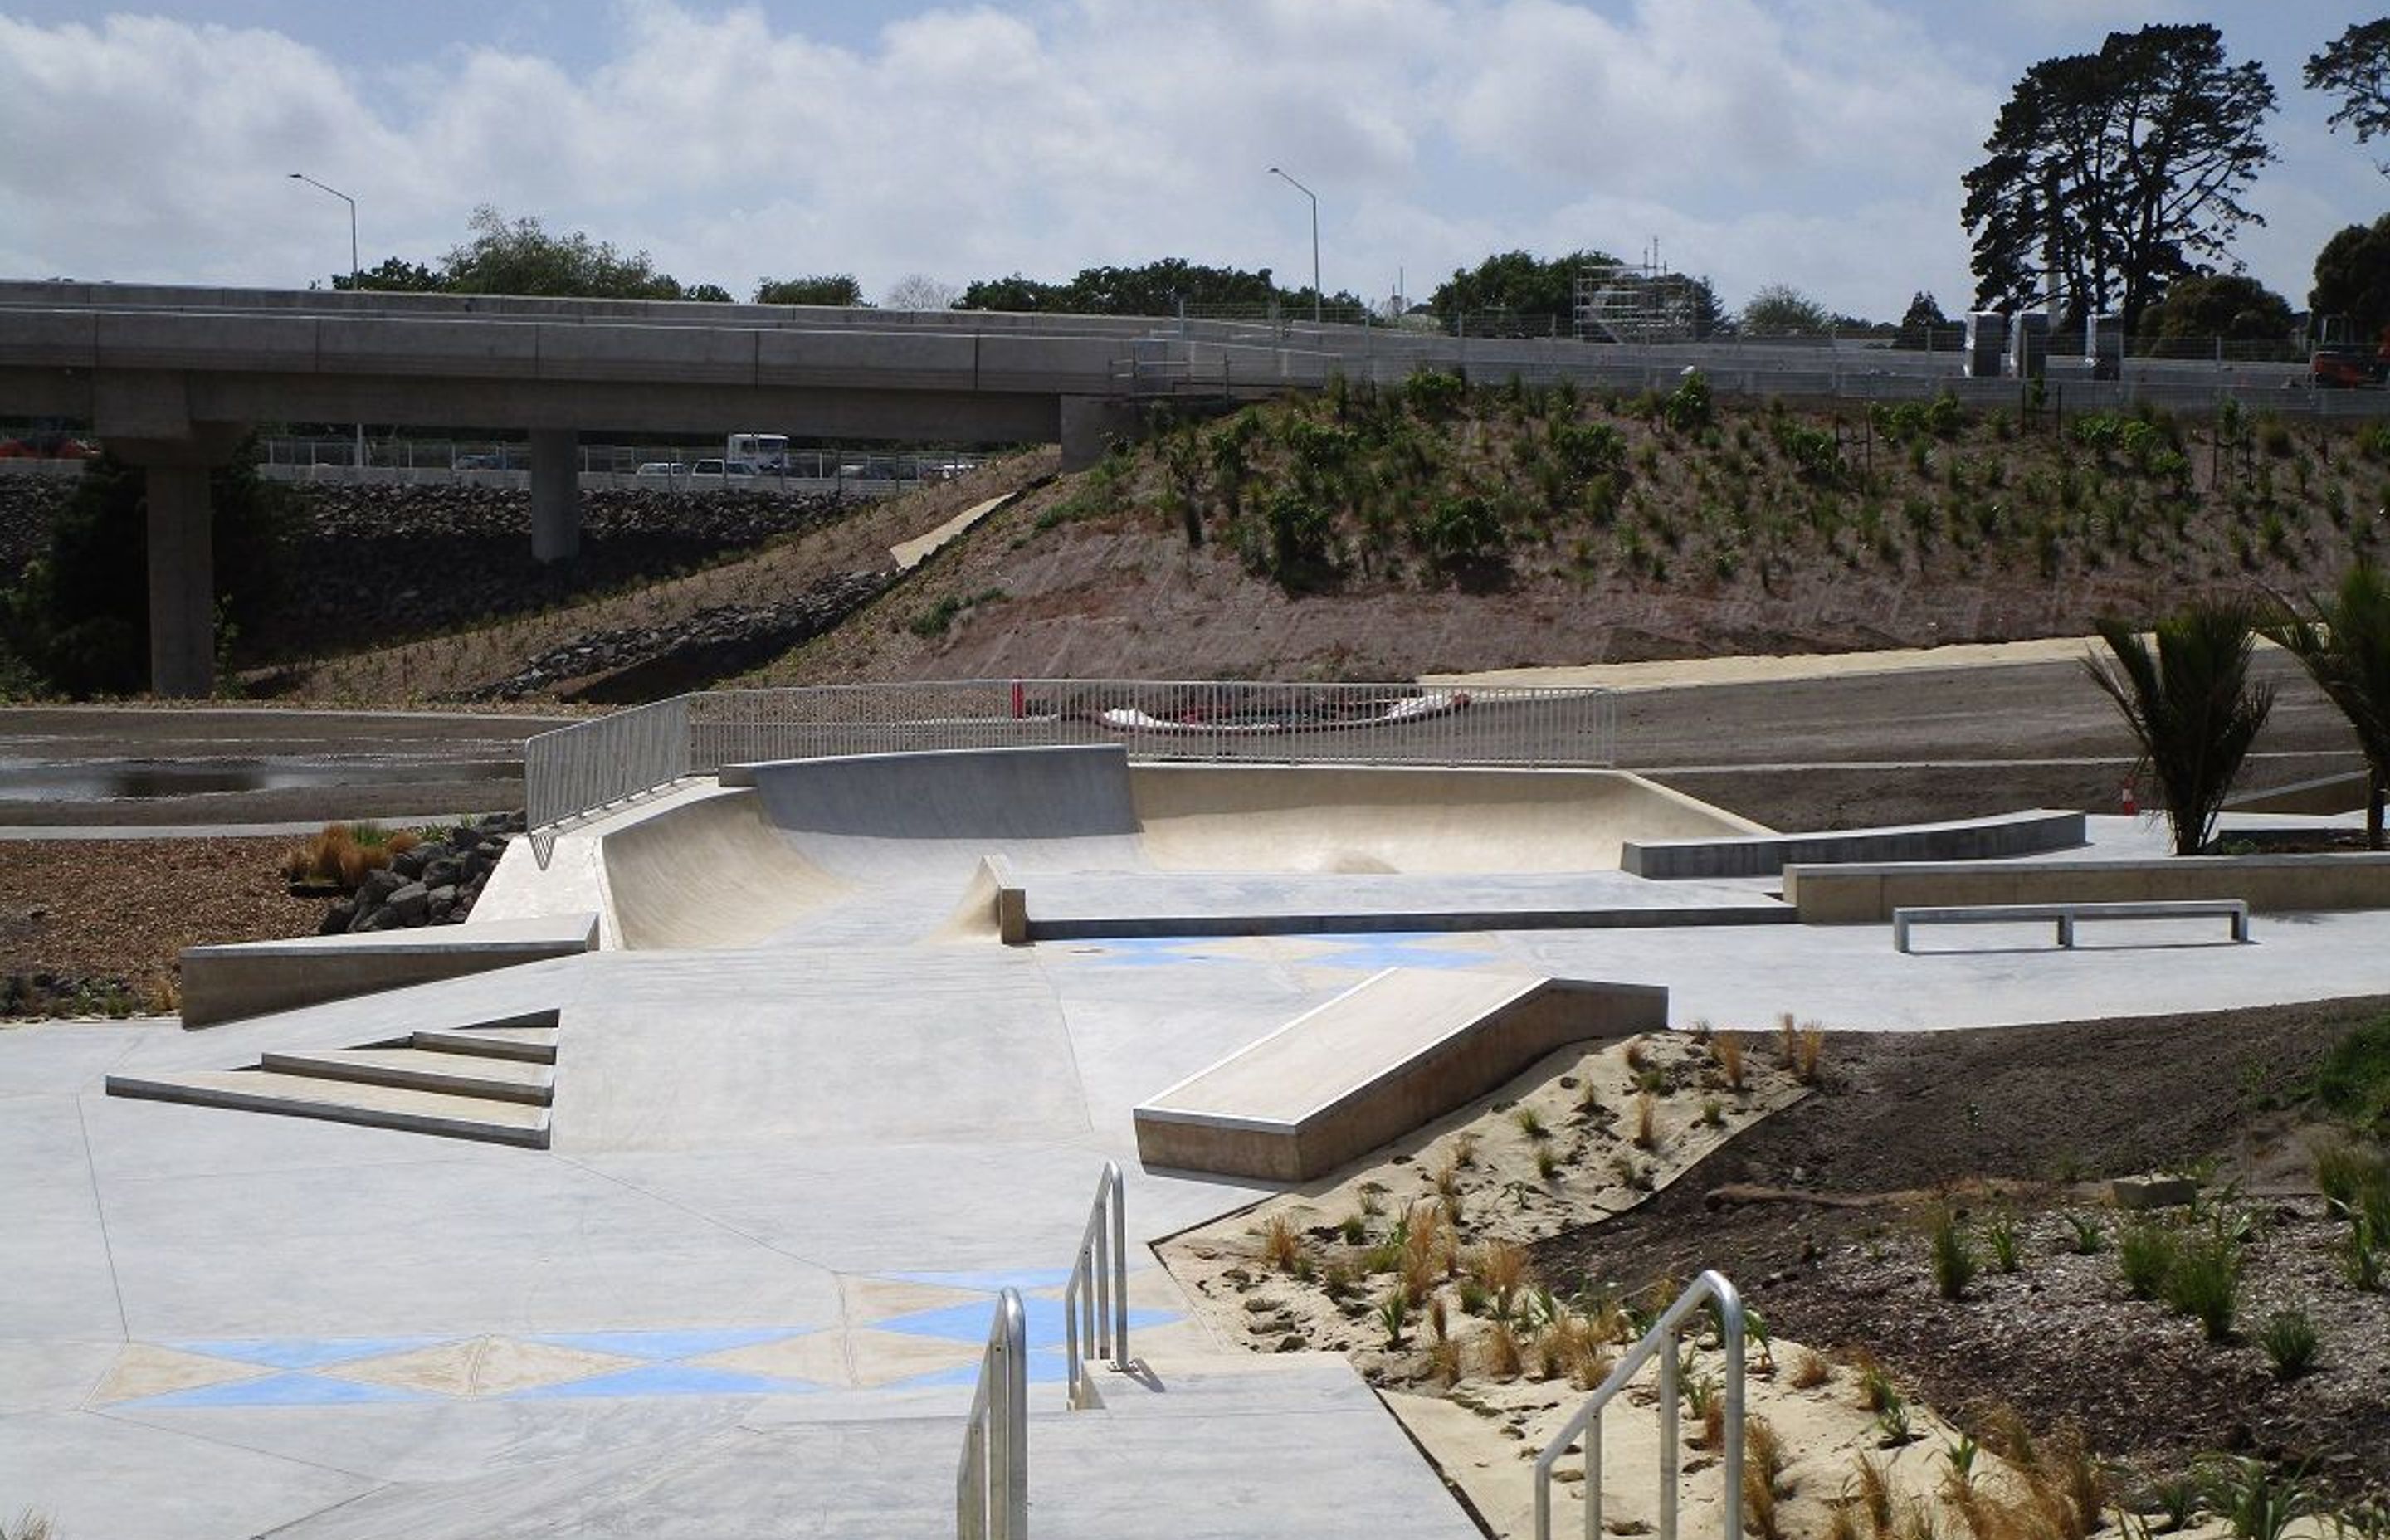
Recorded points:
(1315,239)
(356,275)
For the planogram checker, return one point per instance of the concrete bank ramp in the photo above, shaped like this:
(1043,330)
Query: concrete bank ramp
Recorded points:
(1399,1049)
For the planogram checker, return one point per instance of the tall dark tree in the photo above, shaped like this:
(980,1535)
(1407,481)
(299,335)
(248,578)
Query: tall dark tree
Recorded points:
(2355,67)
(1533,295)
(1158,287)
(2112,174)
(2230,305)
(395,276)
(820,288)
(1781,310)
(1921,322)
(2352,279)
(519,257)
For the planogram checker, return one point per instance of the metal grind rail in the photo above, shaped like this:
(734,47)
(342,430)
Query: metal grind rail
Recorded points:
(1095,1302)
(589,766)
(991,1485)
(1710,1289)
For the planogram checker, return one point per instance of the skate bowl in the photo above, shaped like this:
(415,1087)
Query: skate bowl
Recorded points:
(893,845)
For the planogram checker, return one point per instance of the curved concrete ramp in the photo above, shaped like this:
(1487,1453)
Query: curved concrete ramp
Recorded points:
(1390,819)
(945,845)
(1401,1048)
(711,871)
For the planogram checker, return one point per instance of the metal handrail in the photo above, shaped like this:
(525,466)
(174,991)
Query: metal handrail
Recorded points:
(1710,1288)
(991,1485)
(1095,1302)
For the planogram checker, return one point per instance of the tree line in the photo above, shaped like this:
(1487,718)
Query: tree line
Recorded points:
(2113,182)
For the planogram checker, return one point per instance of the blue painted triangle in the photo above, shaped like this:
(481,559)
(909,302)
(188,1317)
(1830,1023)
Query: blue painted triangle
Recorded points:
(280,1389)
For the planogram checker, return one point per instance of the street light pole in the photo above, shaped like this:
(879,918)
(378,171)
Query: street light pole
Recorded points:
(357,276)
(1315,239)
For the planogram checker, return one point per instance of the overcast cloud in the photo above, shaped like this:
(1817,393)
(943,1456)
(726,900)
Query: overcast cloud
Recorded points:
(1814,142)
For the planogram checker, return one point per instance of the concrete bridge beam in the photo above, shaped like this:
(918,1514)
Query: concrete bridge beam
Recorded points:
(555,494)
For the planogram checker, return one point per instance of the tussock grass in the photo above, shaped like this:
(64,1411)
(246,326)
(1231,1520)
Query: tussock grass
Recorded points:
(1282,1243)
(1727,1049)
(1811,1370)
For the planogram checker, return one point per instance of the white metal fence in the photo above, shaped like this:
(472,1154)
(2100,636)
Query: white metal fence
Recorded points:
(578,769)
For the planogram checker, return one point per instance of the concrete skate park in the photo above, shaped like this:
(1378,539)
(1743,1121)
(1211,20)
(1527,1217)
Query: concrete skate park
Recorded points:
(677,1189)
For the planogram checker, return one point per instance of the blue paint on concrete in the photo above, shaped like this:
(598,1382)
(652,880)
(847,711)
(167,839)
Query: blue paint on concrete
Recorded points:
(667,1379)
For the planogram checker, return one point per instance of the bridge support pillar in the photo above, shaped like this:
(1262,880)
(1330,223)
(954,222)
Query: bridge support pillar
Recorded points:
(555,494)
(180,530)
(181,583)
(1091,423)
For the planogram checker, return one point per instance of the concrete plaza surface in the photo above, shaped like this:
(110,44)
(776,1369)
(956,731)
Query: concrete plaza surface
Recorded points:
(743,1292)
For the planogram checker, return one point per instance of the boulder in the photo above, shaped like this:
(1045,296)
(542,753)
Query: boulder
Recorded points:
(377,887)
(445,872)
(338,918)
(410,903)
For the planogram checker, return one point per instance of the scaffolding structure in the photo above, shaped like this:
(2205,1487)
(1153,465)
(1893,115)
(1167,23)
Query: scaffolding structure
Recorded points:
(1640,301)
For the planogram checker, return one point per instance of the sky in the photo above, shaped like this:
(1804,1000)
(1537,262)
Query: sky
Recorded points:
(1815,143)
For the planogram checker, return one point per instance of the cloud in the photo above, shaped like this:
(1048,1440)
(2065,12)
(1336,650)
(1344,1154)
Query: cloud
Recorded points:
(1816,142)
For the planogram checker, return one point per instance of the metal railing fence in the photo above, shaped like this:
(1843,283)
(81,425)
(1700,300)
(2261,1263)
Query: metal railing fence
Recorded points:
(1095,1302)
(992,1484)
(1197,719)
(1660,1342)
(574,770)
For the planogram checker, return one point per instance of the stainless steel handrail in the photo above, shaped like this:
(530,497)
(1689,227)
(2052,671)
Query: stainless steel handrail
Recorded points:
(991,1485)
(1710,1288)
(1095,1302)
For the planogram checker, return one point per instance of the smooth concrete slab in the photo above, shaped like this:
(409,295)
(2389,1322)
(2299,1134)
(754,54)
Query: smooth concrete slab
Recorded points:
(1086,905)
(62,1280)
(1378,1060)
(895,1044)
(94,1475)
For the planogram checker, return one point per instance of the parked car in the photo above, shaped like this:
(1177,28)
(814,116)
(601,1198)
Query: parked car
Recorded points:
(660,472)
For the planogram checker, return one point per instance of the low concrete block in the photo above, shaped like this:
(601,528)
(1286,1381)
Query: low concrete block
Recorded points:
(229,983)
(2152,1192)
(2009,834)
(1398,1050)
(2270,884)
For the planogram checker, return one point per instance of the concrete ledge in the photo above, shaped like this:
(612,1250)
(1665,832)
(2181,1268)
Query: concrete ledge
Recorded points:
(2027,833)
(2274,884)
(228,983)
(2323,795)
(1400,1050)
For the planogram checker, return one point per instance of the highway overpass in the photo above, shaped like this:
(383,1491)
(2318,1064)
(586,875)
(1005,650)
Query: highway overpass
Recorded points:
(171,378)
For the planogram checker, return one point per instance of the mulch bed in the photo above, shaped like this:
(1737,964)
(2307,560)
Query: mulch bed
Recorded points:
(1819,1214)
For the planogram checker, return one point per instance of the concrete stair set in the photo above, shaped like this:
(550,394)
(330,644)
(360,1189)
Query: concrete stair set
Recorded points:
(492,1082)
